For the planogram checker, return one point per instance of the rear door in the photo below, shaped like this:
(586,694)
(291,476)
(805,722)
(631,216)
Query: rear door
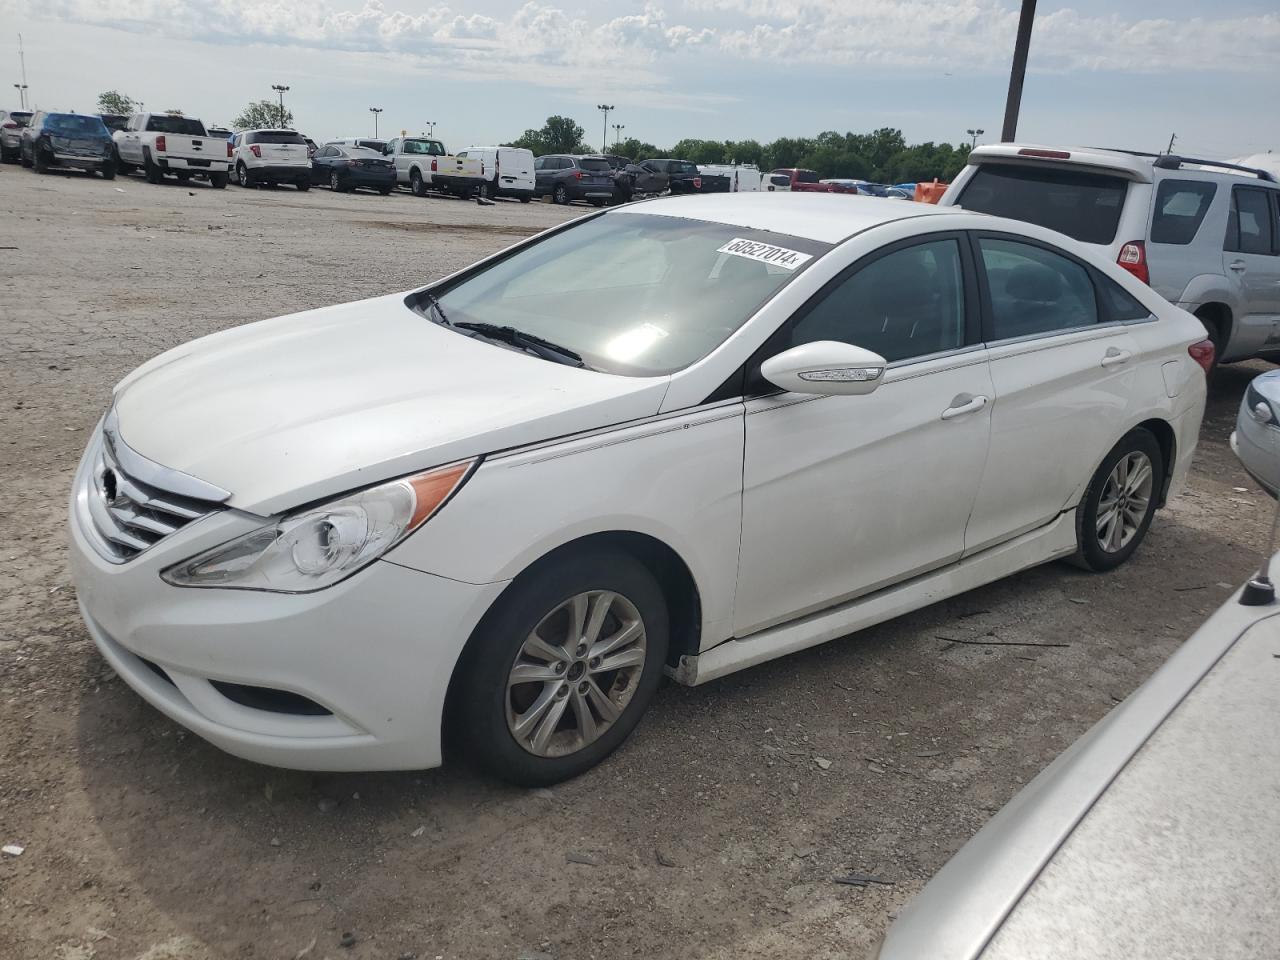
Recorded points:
(280,148)
(1251,259)
(515,168)
(1064,366)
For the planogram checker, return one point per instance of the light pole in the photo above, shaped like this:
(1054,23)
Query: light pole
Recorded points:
(375,111)
(605,108)
(22,94)
(617,133)
(280,89)
(431,128)
(975,134)
(1018,72)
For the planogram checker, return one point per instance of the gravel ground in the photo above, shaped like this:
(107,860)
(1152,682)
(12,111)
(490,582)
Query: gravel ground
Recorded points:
(713,833)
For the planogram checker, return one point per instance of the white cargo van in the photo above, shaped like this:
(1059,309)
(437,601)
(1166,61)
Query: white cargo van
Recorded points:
(743,178)
(507,171)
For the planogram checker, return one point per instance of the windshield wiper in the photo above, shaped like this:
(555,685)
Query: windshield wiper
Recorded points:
(435,305)
(518,338)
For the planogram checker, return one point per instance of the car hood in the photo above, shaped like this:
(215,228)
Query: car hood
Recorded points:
(286,411)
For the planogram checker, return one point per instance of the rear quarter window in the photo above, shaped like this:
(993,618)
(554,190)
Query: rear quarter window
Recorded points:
(1086,206)
(1179,210)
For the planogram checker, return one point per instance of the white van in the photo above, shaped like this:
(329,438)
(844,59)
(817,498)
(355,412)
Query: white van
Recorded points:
(743,178)
(507,171)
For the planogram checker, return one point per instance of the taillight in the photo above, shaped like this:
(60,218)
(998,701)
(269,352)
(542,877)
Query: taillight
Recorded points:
(1203,353)
(230,152)
(1133,257)
(433,165)
(160,143)
(10,125)
(256,151)
(697,183)
(577,174)
(1045,154)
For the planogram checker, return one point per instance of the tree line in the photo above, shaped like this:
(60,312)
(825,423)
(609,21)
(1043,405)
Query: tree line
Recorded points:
(882,156)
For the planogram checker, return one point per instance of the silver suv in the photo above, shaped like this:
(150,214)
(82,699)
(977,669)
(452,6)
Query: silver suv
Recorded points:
(1204,234)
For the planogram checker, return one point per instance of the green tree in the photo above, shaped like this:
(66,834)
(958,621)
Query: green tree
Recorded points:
(744,151)
(637,150)
(558,135)
(113,101)
(262,114)
(785,152)
(700,151)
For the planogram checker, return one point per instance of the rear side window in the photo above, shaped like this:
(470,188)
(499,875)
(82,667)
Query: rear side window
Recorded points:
(1084,206)
(1249,227)
(909,303)
(1117,303)
(182,126)
(595,166)
(806,176)
(1035,291)
(1180,209)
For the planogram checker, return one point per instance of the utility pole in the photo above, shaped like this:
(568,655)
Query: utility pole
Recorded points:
(617,133)
(1019,71)
(1172,137)
(605,107)
(280,89)
(975,134)
(22,94)
(375,111)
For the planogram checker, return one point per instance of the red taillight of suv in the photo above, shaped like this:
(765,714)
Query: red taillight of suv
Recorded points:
(1203,353)
(577,174)
(10,125)
(160,144)
(1133,257)
(230,152)
(256,151)
(697,183)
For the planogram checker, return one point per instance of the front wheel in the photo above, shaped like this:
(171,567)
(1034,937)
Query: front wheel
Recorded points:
(560,671)
(108,171)
(153,172)
(1117,508)
(561,196)
(39,160)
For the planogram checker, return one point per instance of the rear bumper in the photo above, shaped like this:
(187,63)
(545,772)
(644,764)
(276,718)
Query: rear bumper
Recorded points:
(195,166)
(280,171)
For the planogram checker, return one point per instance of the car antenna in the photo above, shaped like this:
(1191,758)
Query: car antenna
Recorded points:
(1260,591)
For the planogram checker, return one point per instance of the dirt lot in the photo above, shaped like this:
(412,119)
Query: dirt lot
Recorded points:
(713,833)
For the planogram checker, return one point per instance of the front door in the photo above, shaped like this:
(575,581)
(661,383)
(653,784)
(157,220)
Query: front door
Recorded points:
(844,495)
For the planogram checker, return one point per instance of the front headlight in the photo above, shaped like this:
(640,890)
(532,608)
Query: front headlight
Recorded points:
(316,547)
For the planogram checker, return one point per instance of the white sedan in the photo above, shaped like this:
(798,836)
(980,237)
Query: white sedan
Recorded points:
(686,435)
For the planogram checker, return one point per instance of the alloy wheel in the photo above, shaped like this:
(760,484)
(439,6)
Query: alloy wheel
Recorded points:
(575,673)
(1125,499)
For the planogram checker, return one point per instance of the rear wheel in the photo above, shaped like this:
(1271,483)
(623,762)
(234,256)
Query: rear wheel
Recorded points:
(559,672)
(1117,508)
(153,173)
(243,176)
(1216,327)
(218,180)
(109,170)
(335,182)
(525,198)
(416,184)
(561,195)
(40,159)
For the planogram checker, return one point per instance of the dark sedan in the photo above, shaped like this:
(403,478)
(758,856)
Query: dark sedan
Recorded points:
(346,168)
(68,140)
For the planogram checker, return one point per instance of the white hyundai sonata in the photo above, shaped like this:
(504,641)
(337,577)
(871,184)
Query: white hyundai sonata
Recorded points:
(686,435)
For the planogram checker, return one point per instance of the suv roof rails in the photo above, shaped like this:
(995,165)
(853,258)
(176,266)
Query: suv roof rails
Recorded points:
(1172,161)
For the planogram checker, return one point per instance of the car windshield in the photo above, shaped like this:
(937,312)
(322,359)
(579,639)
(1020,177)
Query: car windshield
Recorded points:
(74,125)
(1085,206)
(634,294)
(432,148)
(170,123)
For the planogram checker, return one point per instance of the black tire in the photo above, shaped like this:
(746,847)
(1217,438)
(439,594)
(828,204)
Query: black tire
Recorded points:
(23,158)
(153,173)
(243,177)
(39,161)
(1091,554)
(490,190)
(385,191)
(525,198)
(597,203)
(219,180)
(303,186)
(561,195)
(335,183)
(417,186)
(481,692)
(108,170)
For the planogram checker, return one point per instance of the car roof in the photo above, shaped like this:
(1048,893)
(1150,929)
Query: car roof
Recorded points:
(824,217)
(1115,161)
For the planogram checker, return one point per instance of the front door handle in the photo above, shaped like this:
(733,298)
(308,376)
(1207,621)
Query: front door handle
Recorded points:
(1237,265)
(965,403)
(1115,356)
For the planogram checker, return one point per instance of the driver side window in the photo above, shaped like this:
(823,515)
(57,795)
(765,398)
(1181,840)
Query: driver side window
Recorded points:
(908,303)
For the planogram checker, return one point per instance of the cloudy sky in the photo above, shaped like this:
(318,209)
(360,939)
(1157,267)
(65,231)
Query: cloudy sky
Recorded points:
(484,70)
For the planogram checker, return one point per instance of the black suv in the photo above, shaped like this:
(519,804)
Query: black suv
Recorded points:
(68,140)
(682,175)
(566,178)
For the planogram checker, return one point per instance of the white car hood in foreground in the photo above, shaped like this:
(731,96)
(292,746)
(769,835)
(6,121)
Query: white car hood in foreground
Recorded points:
(287,411)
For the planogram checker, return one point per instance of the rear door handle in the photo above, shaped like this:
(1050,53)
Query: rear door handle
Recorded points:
(1115,356)
(1237,265)
(963,404)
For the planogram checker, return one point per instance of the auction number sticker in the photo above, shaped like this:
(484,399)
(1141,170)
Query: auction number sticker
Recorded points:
(766,253)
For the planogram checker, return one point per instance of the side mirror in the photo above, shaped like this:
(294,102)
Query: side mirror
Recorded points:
(826,368)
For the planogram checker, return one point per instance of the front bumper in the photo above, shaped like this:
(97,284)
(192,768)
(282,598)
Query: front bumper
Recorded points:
(373,655)
(80,161)
(1257,447)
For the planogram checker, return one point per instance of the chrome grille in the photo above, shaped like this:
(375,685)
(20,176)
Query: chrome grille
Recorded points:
(133,504)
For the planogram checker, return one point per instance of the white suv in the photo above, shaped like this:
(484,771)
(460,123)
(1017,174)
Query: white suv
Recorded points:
(271,157)
(1204,234)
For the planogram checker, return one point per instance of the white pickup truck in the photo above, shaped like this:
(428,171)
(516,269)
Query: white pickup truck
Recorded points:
(164,143)
(423,164)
